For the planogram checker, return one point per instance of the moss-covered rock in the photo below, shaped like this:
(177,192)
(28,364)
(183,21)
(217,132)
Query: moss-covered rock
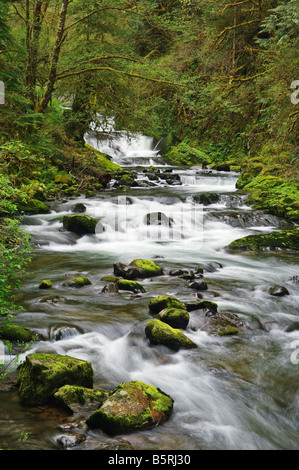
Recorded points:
(161,333)
(227,330)
(175,317)
(165,301)
(80,224)
(41,375)
(80,281)
(12,332)
(64,179)
(80,399)
(110,278)
(201,304)
(280,240)
(206,198)
(184,154)
(132,406)
(34,206)
(45,284)
(146,268)
(132,286)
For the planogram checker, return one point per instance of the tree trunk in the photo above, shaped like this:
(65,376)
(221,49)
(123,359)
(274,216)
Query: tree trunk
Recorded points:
(60,37)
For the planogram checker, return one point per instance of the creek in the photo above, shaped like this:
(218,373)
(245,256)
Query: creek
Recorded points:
(232,392)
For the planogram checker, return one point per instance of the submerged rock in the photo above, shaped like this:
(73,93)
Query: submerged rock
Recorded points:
(132,406)
(206,198)
(41,375)
(165,301)
(79,224)
(159,332)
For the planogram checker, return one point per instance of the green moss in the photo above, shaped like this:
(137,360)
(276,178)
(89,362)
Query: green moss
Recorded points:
(146,268)
(80,224)
(109,278)
(159,332)
(184,154)
(175,317)
(124,284)
(11,332)
(282,240)
(78,282)
(102,161)
(41,375)
(132,406)
(34,206)
(64,179)
(45,284)
(75,397)
(208,304)
(165,301)
(227,330)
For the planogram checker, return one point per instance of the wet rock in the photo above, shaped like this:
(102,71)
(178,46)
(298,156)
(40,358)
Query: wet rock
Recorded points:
(212,267)
(142,268)
(132,406)
(41,375)
(161,333)
(45,284)
(79,224)
(80,399)
(78,282)
(158,218)
(70,440)
(218,323)
(178,272)
(175,317)
(201,304)
(278,291)
(53,299)
(110,288)
(165,301)
(206,198)
(79,208)
(198,285)
(132,286)
(292,327)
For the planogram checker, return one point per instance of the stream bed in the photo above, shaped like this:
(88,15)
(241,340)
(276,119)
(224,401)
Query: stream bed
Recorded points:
(232,392)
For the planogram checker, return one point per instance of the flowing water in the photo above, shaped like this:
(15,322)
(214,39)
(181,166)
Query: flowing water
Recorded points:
(233,392)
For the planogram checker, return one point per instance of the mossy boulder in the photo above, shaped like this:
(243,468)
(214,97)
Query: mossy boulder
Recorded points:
(175,317)
(17,333)
(110,278)
(41,375)
(34,206)
(45,284)
(160,333)
(80,399)
(282,240)
(132,286)
(146,268)
(187,155)
(80,281)
(132,406)
(64,179)
(227,330)
(80,224)
(165,301)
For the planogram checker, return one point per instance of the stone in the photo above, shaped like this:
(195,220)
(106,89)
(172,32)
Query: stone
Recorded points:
(206,198)
(132,406)
(146,268)
(201,304)
(78,282)
(80,224)
(198,285)
(278,291)
(164,301)
(41,376)
(12,332)
(132,286)
(175,317)
(160,333)
(279,240)
(45,284)
(80,399)
(79,208)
